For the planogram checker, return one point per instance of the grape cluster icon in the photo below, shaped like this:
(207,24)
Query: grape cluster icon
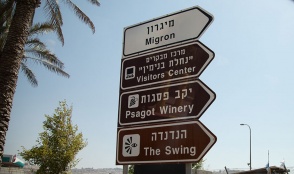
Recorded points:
(133,101)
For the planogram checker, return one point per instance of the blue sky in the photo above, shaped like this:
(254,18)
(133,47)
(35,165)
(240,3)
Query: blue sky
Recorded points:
(251,74)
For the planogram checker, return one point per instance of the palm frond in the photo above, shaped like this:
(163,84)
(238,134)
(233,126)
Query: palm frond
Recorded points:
(37,52)
(41,28)
(94,2)
(44,55)
(55,69)
(7,9)
(3,36)
(51,67)
(35,49)
(29,74)
(81,15)
(53,14)
(35,43)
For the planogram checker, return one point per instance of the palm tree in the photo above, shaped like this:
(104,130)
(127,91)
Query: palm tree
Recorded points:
(12,54)
(36,51)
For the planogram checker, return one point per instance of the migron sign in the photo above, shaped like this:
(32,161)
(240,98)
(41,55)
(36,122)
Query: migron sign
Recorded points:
(174,28)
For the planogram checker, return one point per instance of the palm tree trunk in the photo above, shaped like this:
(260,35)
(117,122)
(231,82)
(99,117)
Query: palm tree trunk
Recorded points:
(10,59)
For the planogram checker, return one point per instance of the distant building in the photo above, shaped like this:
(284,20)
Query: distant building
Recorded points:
(11,165)
(11,161)
(194,171)
(266,170)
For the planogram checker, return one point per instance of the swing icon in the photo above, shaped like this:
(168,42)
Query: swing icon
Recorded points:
(131,145)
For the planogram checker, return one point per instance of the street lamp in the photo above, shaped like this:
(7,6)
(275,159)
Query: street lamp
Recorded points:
(250,164)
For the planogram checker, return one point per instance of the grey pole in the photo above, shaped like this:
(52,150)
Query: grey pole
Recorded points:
(250,144)
(188,168)
(125,169)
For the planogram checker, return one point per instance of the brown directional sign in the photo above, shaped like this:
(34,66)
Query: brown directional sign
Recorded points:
(165,143)
(181,62)
(165,103)
(161,96)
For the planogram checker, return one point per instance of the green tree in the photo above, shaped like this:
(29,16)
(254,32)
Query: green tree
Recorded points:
(198,165)
(131,169)
(58,145)
(12,54)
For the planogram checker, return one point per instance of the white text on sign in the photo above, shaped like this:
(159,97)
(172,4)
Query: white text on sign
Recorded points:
(137,99)
(169,150)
